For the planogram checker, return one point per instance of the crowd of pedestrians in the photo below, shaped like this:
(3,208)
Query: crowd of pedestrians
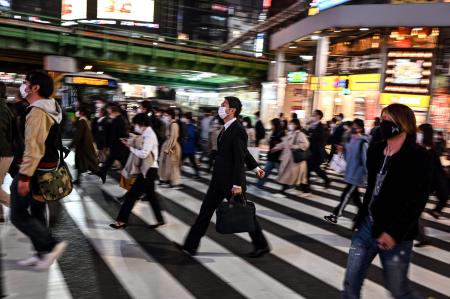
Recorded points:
(398,163)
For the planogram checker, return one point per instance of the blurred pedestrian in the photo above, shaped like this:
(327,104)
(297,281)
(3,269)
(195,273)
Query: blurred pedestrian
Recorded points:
(86,158)
(117,131)
(145,181)
(100,130)
(170,157)
(375,132)
(214,133)
(440,144)
(273,158)
(7,131)
(399,179)
(204,134)
(247,124)
(260,130)
(42,133)
(190,146)
(156,123)
(316,135)
(292,174)
(335,138)
(355,153)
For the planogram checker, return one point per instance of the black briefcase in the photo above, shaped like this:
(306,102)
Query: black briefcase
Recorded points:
(236,216)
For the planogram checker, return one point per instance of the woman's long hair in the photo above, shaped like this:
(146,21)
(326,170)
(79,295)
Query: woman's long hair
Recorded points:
(403,117)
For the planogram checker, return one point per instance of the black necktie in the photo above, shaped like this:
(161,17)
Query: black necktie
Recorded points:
(221,134)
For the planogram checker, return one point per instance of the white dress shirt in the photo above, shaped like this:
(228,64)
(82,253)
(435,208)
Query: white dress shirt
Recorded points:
(150,146)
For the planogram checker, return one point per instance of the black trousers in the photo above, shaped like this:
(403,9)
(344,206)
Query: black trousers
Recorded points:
(193,161)
(210,203)
(122,157)
(141,185)
(315,166)
(350,192)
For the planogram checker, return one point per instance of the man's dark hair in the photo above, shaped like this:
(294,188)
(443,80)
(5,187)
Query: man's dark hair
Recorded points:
(147,105)
(141,119)
(85,111)
(2,90)
(115,109)
(319,113)
(296,122)
(44,81)
(341,116)
(235,103)
(359,123)
(294,115)
(188,115)
(170,112)
(377,121)
(257,114)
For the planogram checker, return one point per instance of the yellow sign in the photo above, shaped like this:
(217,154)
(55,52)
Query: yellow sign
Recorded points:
(405,99)
(89,81)
(328,83)
(366,82)
(313,11)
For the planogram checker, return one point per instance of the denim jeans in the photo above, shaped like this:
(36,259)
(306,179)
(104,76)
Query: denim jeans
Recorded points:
(270,165)
(31,223)
(395,264)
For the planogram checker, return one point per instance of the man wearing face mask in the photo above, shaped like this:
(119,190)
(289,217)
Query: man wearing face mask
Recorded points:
(228,178)
(316,133)
(41,129)
(355,153)
(100,131)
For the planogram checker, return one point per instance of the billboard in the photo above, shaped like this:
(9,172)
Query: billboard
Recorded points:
(133,10)
(73,9)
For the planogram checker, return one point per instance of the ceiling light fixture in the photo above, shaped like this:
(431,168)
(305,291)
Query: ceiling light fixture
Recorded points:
(306,57)
(364,29)
(292,47)
(315,37)
(88,67)
(273,61)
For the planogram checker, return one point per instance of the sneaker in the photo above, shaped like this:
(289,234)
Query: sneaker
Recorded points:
(48,259)
(29,262)
(176,187)
(331,218)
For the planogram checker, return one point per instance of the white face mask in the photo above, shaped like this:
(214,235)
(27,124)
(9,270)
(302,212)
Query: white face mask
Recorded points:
(77,114)
(222,112)
(98,115)
(140,110)
(183,119)
(245,124)
(291,127)
(166,119)
(23,93)
(138,129)
(100,105)
(419,138)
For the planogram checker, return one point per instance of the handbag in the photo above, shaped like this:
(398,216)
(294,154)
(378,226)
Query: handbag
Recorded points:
(236,216)
(300,155)
(55,184)
(338,163)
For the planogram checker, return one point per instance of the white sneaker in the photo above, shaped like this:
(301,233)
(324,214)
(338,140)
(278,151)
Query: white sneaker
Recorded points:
(29,262)
(49,258)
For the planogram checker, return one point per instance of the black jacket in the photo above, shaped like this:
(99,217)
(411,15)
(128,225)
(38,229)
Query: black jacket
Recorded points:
(232,156)
(317,143)
(404,193)
(6,130)
(100,130)
(260,130)
(275,138)
(117,130)
(336,137)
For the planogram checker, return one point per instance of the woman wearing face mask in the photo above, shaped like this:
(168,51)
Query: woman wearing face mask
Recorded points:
(439,181)
(399,178)
(247,123)
(355,153)
(100,130)
(145,181)
(83,142)
(291,173)
(170,158)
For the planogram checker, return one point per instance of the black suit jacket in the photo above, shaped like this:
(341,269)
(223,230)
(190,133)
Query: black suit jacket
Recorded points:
(317,143)
(232,157)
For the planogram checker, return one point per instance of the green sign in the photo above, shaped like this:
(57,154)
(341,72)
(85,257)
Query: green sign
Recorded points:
(297,77)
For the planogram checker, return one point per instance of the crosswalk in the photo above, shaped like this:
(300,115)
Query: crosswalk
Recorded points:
(308,259)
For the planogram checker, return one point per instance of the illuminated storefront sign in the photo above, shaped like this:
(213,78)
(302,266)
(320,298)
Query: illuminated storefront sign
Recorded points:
(297,77)
(405,99)
(87,81)
(133,10)
(73,9)
(366,82)
(319,5)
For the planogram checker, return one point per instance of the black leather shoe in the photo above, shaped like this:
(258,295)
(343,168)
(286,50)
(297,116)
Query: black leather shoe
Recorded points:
(186,250)
(118,226)
(153,226)
(258,252)
(102,176)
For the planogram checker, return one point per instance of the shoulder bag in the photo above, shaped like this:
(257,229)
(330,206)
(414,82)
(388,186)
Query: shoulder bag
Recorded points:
(300,155)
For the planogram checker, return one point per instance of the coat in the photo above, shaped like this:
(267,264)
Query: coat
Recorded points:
(404,193)
(356,156)
(190,146)
(170,158)
(292,173)
(100,131)
(6,130)
(83,142)
(317,143)
(232,157)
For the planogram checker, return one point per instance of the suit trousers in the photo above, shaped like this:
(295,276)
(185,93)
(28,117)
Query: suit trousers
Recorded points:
(141,185)
(210,203)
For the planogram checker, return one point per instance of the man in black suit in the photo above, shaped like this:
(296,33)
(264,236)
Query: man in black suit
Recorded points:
(316,134)
(228,178)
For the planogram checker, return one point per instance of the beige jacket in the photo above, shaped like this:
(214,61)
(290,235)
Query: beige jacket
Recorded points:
(37,127)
